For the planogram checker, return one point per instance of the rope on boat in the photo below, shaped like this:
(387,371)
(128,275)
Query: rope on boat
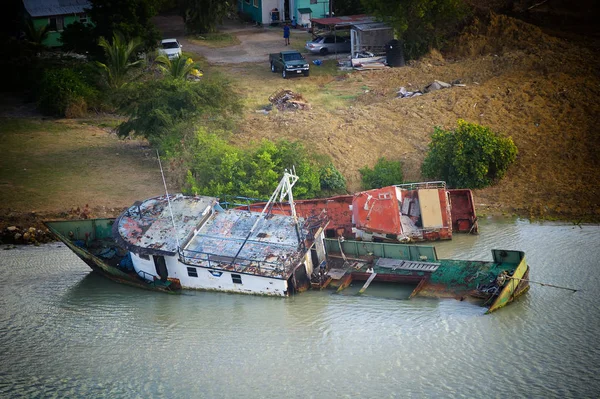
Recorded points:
(542,284)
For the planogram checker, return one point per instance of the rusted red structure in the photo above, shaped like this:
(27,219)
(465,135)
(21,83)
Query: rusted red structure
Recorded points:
(402,213)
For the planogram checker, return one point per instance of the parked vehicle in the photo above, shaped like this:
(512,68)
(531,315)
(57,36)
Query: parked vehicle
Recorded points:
(289,63)
(170,47)
(329,44)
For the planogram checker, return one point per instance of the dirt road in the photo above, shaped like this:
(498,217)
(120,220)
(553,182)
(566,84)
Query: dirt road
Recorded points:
(256,42)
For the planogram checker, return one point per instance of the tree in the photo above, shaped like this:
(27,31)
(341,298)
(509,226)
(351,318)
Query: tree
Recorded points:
(78,37)
(178,68)
(384,173)
(203,16)
(157,106)
(421,24)
(332,181)
(348,7)
(118,56)
(470,156)
(36,36)
(132,18)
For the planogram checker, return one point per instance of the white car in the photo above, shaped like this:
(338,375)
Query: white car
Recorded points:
(170,47)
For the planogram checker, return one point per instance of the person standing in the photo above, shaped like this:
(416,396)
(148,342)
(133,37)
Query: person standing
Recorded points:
(286,34)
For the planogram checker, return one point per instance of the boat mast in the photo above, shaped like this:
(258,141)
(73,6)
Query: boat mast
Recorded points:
(284,189)
(168,200)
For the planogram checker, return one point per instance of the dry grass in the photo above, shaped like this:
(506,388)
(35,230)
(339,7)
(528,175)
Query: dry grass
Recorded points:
(56,165)
(215,40)
(540,90)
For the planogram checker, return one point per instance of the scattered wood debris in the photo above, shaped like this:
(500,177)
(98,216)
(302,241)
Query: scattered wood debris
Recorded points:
(287,99)
(363,64)
(435,85)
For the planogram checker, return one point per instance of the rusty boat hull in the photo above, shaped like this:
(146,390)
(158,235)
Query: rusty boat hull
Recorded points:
(92,241)
(491,284)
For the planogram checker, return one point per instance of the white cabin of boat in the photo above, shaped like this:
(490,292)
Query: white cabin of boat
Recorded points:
(193,239)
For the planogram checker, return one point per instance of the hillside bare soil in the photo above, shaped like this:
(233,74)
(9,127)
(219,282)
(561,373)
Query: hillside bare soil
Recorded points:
(540,90)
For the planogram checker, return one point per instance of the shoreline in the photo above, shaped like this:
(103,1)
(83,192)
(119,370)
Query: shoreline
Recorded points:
(27,228)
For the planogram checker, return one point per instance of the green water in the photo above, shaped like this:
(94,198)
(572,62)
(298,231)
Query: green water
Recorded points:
(67,333)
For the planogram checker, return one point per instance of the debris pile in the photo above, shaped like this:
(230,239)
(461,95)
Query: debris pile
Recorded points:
(287,99)
(368,63)
(435,85)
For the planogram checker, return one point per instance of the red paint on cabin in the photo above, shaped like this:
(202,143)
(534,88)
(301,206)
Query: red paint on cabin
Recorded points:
(377,211)
(380,211)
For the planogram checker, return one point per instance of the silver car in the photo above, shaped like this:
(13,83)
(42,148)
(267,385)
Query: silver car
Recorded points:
(328,44)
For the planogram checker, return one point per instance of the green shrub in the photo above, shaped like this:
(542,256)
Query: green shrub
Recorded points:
(470,156)
(332,181)
(385,173)
(63,92)
(156,106)
(216,167)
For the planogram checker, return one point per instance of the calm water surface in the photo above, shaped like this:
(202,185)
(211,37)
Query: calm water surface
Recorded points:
(65,332)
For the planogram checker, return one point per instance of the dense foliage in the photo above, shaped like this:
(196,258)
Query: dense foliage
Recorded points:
(332,181)
(202,16)
(118,55)
(421,24)
(156,107)
(78,37)
(63,92)
(384,173)
(178,68)
(219,168)
(132,19)
(470,156)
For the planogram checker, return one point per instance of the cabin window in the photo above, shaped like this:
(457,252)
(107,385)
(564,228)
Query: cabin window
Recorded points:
(192,272)
(236,278)
(146,257)
(255,3)
(83,18)
(247,1)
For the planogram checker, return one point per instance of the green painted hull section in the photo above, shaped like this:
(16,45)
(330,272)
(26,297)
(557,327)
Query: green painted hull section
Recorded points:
(69,231)
(382,250)
(458,279)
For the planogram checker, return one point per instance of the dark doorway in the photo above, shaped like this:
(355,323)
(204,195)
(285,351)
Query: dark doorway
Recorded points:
(286,10)
(161,267)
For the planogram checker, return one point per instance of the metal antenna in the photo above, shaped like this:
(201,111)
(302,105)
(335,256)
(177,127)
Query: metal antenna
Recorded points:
(168,199)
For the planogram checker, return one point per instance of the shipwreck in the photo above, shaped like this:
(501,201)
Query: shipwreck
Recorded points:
(175,242)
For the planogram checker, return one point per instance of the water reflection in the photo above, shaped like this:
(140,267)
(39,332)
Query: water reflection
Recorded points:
(65,332)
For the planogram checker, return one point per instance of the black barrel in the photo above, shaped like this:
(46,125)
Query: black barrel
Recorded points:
(394,52)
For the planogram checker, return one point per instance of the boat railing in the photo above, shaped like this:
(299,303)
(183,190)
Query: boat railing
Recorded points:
(263,267)
(145,275)
(422,185)
(230,201)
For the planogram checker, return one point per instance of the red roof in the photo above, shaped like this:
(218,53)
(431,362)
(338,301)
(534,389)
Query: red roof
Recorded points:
(343,21)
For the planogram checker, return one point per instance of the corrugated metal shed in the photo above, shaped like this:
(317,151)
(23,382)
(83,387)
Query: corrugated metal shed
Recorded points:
(371,26)
(345,21)
(44,8)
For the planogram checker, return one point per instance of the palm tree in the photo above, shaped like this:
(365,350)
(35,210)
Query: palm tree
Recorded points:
(118,53)
(34,35)
(178,68)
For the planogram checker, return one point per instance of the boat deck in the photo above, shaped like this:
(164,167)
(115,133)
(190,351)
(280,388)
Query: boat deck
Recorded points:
(272,249)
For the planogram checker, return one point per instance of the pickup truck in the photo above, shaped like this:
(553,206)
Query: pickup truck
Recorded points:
(289,63)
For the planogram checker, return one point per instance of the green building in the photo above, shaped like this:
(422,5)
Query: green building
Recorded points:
(56,14)
(266,12)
